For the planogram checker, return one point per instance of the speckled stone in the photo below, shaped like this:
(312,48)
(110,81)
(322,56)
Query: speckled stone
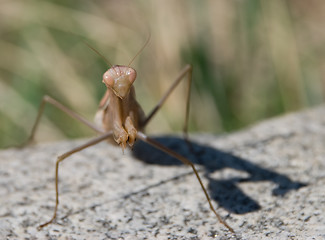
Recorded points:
(266,181)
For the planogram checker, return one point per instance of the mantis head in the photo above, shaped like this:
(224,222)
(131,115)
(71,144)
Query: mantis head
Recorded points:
(119,79)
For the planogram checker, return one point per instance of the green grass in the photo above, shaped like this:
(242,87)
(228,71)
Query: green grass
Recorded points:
(252,60)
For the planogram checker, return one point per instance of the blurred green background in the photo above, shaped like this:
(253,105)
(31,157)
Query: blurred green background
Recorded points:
(252,59)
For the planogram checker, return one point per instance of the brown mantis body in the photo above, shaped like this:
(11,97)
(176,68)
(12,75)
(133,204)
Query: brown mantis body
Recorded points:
(121,117)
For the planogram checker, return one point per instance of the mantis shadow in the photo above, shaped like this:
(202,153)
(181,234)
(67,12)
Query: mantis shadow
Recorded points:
(225,191)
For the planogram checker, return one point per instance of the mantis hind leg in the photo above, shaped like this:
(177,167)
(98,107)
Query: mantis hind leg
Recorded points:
(47,99)
(63,157)
(184,160)
(186,72)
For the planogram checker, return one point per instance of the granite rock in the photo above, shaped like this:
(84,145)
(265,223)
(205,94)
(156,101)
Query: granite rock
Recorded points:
(266,181)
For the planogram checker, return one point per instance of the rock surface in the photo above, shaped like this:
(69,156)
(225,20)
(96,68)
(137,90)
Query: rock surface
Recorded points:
(266,181)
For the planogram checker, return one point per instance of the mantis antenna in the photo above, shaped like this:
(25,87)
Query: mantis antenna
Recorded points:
(108,62)
(144,45)
(99,54)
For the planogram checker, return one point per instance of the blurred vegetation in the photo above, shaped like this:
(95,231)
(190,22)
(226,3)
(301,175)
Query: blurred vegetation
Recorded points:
(252,60)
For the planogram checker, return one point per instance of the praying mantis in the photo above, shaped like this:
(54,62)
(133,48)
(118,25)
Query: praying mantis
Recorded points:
(120,118)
